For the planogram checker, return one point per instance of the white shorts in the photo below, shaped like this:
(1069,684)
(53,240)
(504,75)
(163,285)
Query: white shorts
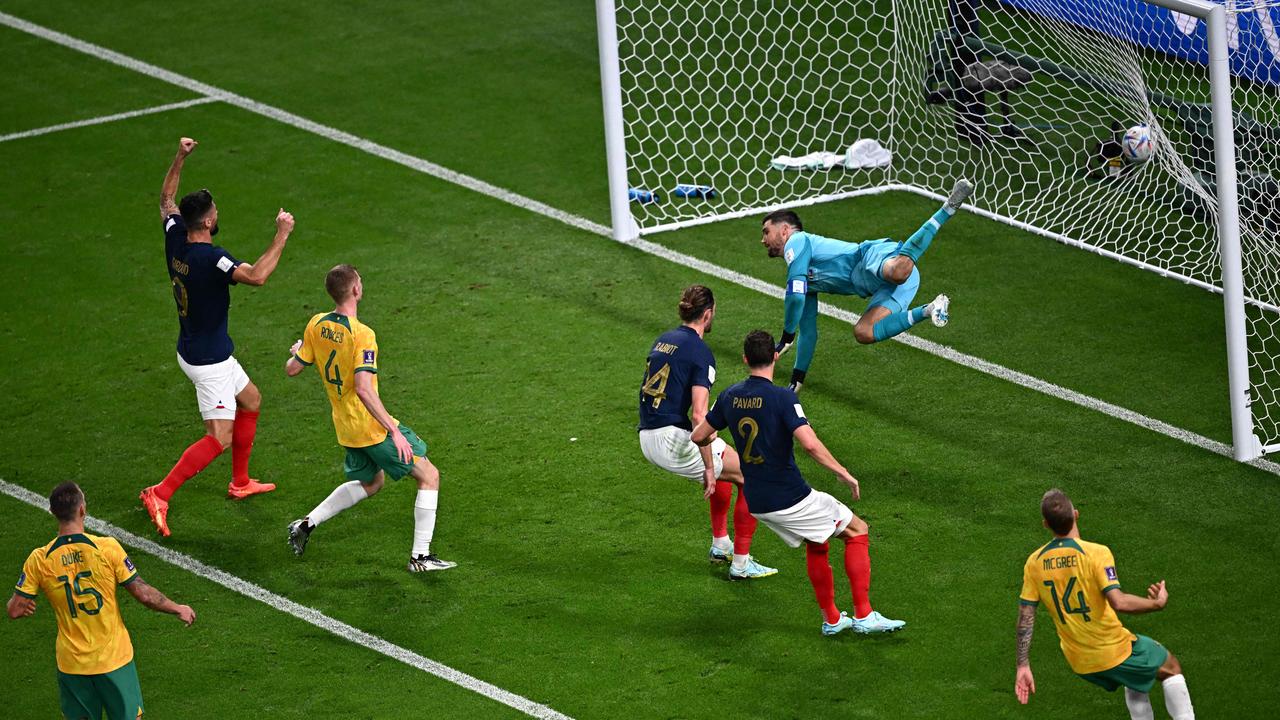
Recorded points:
(671,449)
(217,386)
(815,518)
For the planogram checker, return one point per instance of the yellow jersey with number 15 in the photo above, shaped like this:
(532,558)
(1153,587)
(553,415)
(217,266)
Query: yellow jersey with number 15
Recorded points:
(78,574)
(1071,579)
(339,347)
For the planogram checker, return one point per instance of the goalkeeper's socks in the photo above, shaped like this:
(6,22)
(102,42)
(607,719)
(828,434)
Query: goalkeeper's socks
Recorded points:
(857,565)
(424,521)
(721,499)
(242,432)
(919,241)
(194,459)
(744,526)
(898,323)
(344,496)
(824,584)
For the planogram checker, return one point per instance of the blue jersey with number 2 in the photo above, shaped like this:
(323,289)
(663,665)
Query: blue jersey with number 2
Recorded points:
(763,418)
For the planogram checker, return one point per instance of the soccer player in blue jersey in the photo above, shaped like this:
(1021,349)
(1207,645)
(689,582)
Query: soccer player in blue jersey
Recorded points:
(678,375)
(765,420)
(201,274)
(883,270)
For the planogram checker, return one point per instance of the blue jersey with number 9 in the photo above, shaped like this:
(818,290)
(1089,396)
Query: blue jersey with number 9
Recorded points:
(201,275)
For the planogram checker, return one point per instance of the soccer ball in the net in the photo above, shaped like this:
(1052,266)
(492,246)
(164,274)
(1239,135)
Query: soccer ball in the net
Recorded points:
(1137,144)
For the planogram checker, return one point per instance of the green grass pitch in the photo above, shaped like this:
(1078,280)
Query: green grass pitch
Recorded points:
(582,581)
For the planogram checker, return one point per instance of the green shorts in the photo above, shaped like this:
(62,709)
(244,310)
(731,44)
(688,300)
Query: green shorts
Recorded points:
(87,696)
(364,463)
(1137,672)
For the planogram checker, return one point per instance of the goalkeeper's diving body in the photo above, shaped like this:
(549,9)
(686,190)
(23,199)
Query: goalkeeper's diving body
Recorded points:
(883,270)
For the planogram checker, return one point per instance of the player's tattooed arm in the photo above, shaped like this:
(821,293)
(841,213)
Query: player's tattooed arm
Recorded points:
(154,599)
(20,607)
(1026,626)
(169,190)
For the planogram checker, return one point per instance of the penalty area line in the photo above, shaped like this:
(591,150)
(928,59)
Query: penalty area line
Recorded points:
(302,612)
(645,246)
(107,119)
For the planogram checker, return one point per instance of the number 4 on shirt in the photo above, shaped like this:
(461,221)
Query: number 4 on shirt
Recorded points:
(1064,606)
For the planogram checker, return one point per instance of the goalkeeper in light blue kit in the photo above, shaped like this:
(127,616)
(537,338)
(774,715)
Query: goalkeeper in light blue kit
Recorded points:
(883,270)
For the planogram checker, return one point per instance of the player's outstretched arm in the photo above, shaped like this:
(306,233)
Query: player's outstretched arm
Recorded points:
(808,440)
(169,190)
(1157,597)
(257,273)
(369,396)
(20,607)
(1024,684)
(154,599)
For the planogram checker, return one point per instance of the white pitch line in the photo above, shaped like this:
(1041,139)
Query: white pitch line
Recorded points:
(106,119)
(302,612)
(651,248)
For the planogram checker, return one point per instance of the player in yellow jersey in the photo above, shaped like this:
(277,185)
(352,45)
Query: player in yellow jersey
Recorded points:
(345,352)
(78,574)
(1076,581)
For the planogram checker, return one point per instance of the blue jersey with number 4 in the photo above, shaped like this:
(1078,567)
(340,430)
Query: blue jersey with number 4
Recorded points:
(763,418)
(678,361)
(201,274)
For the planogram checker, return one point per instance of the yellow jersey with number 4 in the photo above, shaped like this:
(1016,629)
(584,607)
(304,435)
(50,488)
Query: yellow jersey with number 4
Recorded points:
(79,574)
(339,347)
(1071,578)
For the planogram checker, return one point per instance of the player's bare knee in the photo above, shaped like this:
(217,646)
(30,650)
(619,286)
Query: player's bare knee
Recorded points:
(427,475)
(864,334)
(858,526)
(897,270)
(1170,668)
(249,398)
(373,486)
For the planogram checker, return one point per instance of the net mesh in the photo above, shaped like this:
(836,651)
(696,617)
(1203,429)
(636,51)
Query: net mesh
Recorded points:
(1030,98)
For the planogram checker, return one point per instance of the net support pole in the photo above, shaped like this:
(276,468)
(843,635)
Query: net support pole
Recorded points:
(624,227)
(1244,443)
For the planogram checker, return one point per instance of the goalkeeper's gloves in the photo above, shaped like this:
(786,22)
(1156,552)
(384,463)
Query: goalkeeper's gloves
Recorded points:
(788,339)
(797,381)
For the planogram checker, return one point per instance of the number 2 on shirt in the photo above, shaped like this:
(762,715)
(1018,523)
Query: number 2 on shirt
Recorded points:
(655,385)
(1064,606)
(748,429)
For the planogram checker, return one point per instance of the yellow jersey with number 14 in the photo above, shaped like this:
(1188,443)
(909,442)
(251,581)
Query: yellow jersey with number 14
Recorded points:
(1071,579)
(339,347)
(79,574)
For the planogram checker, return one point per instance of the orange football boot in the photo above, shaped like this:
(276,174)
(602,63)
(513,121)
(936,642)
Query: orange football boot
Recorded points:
(158,509)
(253,487)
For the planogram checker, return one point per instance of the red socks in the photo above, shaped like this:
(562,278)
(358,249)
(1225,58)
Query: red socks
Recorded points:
(744,526)
(824,588)
(193,460)
(242,433)
(720,509)
(857,564)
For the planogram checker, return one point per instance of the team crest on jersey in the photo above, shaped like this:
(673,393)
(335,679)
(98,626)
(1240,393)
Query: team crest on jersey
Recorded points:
(1111,573)
(129,564)
(368,357)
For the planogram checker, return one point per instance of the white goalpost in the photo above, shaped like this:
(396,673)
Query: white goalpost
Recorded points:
(729,108)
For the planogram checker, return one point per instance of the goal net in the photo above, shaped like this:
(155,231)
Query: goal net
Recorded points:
(776,103)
